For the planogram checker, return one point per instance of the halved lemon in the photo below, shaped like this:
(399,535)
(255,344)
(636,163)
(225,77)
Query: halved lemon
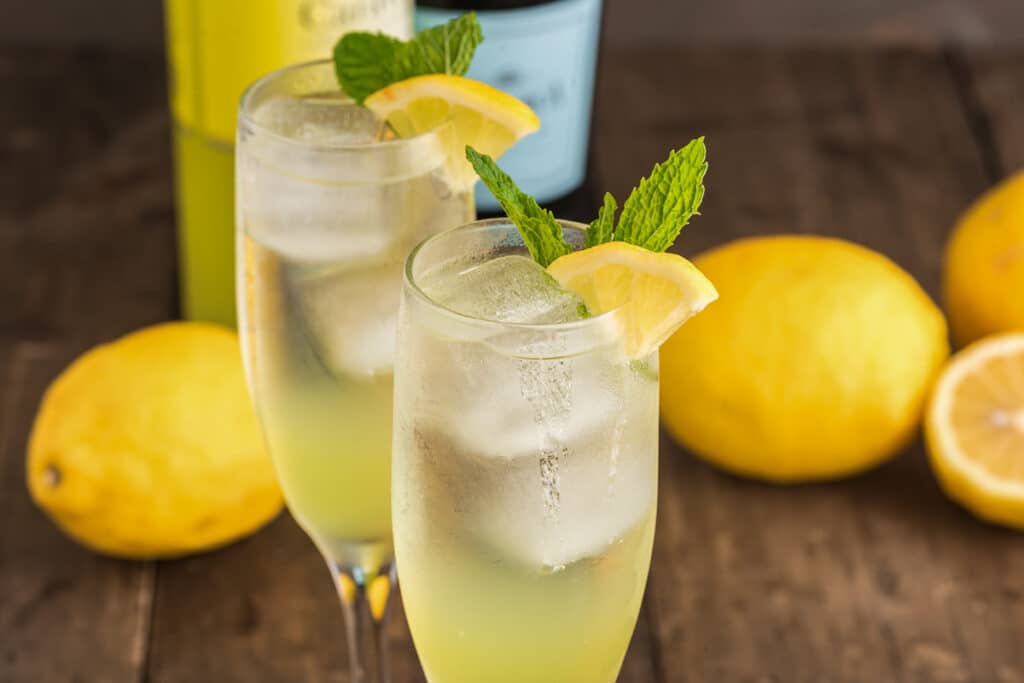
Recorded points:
(975,429)
(486,118)
(657,292)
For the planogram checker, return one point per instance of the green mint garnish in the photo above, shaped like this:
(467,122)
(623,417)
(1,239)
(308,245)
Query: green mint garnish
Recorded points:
(652,217)
(444,49)
(540,231)
(366,62)
(663,203)
(603,227)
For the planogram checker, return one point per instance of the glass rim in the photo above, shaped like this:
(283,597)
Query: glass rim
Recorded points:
(245,115)
(413,286)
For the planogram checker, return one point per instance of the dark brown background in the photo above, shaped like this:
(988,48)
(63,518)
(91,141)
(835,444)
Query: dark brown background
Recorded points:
(138,22)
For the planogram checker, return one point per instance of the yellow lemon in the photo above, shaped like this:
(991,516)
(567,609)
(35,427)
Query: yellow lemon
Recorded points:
(975,429)
(481,116)
(655,292)
(815,363)
(984,267)
(149,446)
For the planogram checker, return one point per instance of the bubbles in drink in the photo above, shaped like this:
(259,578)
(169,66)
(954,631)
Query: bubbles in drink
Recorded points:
(532,444)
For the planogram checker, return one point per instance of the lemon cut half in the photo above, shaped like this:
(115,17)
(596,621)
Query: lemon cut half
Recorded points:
(975,429)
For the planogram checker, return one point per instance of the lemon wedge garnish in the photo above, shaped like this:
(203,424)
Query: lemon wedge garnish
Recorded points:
(657,292)
(483,117)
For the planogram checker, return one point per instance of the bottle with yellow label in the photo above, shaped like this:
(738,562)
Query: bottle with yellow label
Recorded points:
(215,49)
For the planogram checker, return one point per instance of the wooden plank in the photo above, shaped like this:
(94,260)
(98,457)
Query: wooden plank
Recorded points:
(85,255)
(261,610)
(65,613)
(994,94)
(877,578)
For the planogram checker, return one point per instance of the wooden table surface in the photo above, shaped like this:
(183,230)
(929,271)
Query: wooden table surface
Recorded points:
(877,579)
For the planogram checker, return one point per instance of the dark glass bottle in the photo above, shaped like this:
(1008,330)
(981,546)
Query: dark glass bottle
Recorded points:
(545,53)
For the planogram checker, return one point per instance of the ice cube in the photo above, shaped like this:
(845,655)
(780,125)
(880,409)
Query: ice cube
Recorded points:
(512,289)
(500,396)
(349,315)
(319,203)
(313,222)
(499,399)
(605,485)
(532,450)
(326,119)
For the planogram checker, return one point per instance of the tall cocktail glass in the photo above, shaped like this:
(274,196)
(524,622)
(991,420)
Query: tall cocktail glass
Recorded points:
(328,206)
(525,467)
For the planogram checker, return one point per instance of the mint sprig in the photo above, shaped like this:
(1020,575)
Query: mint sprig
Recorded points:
(661,205)
(602,229)
(444,49)
(657,209)
(366,62)
(540,231)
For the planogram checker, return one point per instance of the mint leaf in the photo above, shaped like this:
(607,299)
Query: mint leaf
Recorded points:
(663,203)
(540,231)
(603,228)
(444,49)
(366,62)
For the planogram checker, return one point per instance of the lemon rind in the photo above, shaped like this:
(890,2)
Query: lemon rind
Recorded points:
(946,437)
(510,112)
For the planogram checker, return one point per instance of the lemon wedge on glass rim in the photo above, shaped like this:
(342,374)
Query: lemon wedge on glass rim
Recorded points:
(482,116)
(656,292)
(975,429)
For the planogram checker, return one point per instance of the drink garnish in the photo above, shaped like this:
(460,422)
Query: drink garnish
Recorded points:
(621,266)
(654,214)
(418,86)
(367,62)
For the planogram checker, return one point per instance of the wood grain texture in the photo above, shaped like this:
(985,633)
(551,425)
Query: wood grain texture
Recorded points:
(86,253)
(878,578)
(262,610)
(994,92)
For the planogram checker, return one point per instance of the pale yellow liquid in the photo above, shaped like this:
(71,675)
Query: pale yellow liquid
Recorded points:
(525,488)
(329,434)
(477,616)
(318,325)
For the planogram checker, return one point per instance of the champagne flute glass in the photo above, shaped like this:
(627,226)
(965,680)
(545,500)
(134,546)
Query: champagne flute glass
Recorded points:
(328,205)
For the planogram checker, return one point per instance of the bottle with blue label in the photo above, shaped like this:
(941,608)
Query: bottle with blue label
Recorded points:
(545,53)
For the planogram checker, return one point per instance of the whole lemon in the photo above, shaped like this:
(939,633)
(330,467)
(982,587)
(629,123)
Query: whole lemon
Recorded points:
(814,363)
(984,267)
(149,446)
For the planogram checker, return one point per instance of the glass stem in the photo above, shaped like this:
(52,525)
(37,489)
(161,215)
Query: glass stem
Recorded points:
(365,600)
